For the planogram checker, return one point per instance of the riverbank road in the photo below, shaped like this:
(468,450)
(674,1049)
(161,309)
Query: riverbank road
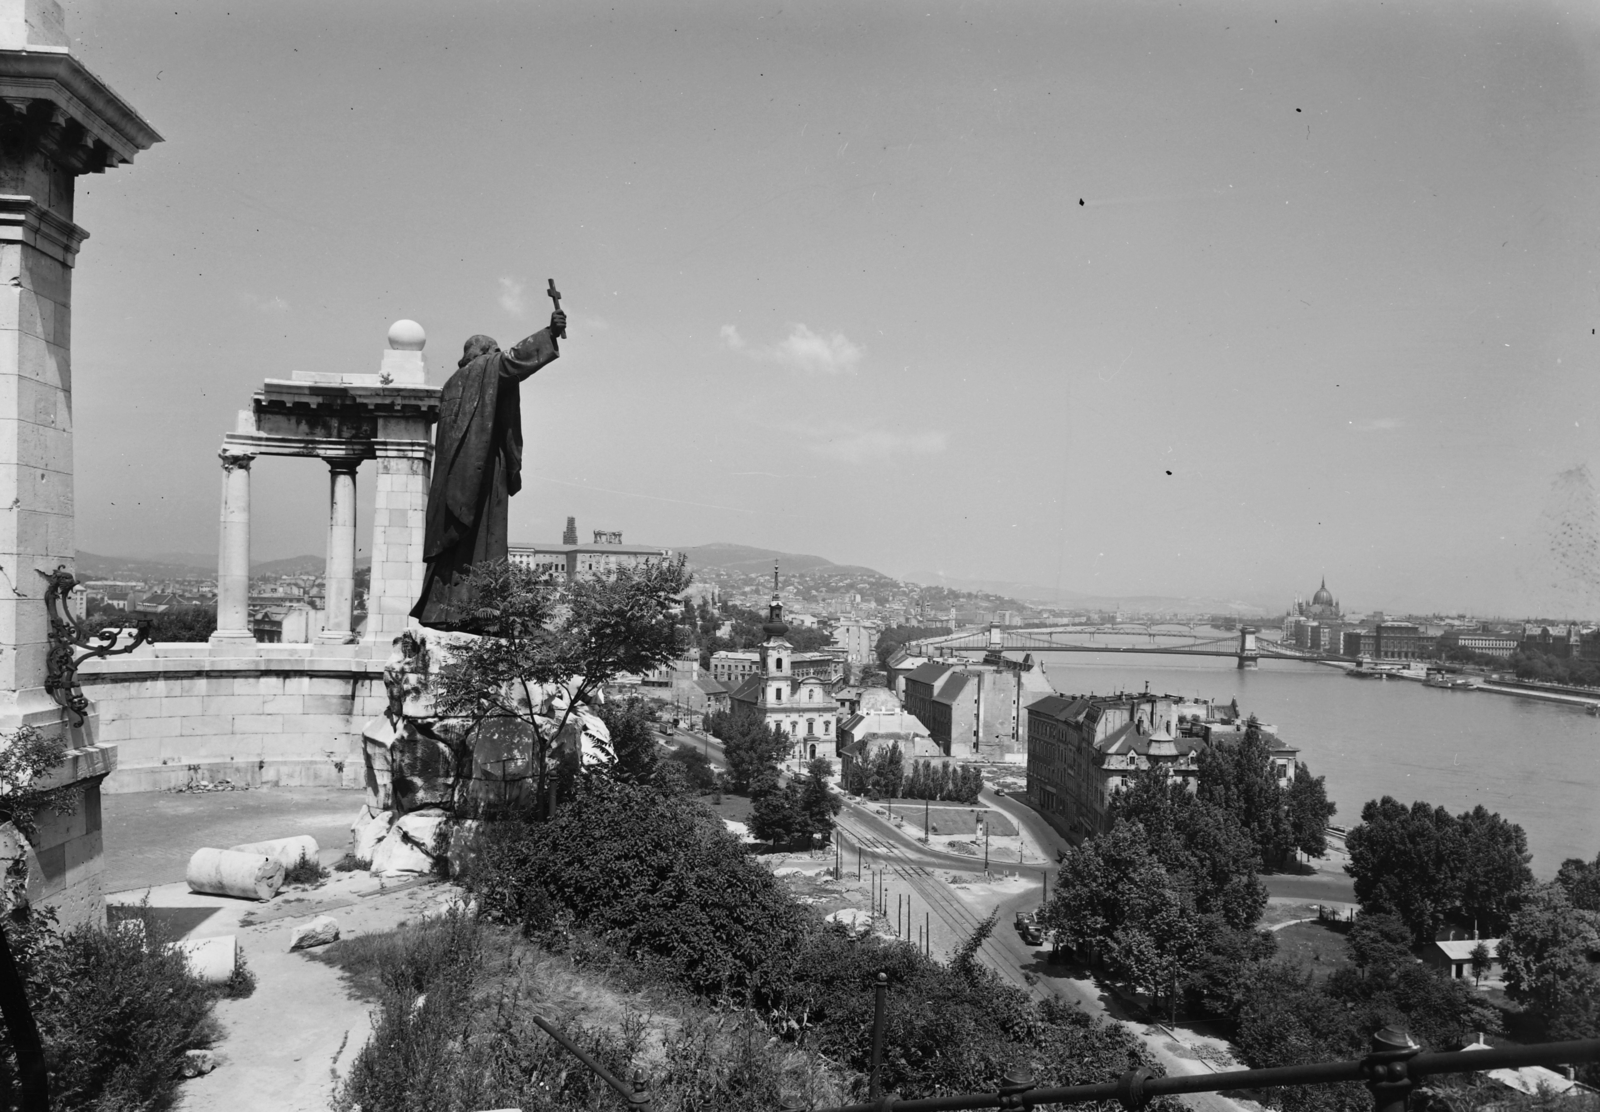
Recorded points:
(919,878)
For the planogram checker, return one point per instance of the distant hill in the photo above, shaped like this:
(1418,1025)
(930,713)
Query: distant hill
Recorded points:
(1031,592)
(91,565)
(189,565)
(744,558)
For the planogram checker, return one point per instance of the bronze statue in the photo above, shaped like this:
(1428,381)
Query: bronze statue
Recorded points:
(477,467)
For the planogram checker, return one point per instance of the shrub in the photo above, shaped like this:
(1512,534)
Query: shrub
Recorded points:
(660,874)
(307,870)
(116,1010)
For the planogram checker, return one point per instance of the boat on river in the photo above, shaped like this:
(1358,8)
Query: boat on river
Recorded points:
(1449,681)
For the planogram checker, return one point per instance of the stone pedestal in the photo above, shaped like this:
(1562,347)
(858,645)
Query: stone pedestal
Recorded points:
(57,121)
(398,519)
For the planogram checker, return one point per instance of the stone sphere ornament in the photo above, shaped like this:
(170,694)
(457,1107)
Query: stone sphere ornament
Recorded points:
(407,335)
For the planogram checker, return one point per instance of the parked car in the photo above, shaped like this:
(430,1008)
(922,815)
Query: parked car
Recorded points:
(1031,934)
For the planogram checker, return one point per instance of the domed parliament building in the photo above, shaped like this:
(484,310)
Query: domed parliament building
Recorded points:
(1323,607)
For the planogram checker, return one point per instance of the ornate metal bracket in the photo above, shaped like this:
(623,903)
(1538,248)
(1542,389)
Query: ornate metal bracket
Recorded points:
(61,664)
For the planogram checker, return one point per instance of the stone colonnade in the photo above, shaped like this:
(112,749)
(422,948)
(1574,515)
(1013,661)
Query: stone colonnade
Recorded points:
(343,420)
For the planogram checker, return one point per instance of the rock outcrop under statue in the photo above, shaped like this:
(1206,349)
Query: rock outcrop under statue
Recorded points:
(419,762)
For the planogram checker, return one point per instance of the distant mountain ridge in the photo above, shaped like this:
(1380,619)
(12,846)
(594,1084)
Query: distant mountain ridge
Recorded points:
(744,558)
(1032,592)
(189,565)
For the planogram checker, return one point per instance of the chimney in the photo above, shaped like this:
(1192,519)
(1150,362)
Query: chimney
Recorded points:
(571,535)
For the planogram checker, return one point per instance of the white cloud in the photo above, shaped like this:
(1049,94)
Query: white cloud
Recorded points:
(511,298)
(1378,424)
(802,350)
(857,445)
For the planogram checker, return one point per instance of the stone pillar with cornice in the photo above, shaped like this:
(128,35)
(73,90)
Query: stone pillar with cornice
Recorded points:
(57,121)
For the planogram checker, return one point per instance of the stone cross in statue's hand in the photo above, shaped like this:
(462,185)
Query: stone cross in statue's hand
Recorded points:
(555,296)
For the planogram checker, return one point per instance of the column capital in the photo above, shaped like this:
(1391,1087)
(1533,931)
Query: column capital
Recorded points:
(234,458)
(343,465)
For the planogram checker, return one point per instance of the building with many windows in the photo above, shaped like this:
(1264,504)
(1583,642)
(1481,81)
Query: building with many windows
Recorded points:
(975,709)
(571,559)
(801,707)
(1082,748)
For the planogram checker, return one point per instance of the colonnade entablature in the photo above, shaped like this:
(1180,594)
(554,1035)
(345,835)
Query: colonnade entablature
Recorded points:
(342,420)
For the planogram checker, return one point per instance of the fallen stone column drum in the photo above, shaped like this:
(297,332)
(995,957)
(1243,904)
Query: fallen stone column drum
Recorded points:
(212,960)
(287,851)
(225,872)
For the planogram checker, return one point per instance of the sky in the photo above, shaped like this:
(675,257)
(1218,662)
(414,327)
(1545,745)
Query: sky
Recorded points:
(1120,298)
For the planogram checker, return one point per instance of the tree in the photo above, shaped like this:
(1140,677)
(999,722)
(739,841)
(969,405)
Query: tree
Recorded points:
(550,646)
(1285,1020)
(752,748)
(1198,840)
(1494,867)
(1309,811)
(633,739)
(797,812)
(1378,944)
(1426,865)
(1482,960)
(887,773)
(1113,896)
(698,774)
(1551,957)
(1581,881)
(817,803)
(1240,777)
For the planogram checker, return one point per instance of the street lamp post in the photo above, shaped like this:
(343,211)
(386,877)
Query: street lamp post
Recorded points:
(925,828)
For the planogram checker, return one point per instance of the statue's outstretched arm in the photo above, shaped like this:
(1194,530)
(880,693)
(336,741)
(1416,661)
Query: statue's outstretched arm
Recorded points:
(529,355)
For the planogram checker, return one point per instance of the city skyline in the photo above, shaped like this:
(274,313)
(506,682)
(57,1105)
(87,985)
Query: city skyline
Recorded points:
(1297,291)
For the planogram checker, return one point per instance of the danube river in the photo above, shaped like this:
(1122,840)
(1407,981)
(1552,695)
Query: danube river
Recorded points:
(1536,763)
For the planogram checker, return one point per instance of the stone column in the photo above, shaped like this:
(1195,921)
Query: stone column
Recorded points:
(339,575)
(233,552)
(58,121)
(398,519)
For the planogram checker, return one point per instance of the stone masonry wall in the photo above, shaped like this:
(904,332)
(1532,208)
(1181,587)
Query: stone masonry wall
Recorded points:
(293,720)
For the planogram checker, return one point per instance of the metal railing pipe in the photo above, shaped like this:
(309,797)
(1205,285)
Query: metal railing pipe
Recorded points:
(1133,1091)
(635,1094)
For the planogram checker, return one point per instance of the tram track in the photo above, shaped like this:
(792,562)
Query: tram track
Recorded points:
(922,878)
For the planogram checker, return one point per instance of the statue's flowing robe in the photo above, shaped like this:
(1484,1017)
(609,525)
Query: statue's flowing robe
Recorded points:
(477,467)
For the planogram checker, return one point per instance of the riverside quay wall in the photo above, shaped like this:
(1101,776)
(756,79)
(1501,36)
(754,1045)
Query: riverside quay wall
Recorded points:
(289,715)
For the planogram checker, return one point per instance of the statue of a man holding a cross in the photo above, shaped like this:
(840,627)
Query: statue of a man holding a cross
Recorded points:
(477,467)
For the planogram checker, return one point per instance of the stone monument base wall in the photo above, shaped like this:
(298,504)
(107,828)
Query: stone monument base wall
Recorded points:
(287,715)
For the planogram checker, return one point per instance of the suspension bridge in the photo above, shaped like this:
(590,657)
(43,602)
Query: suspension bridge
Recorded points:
(1245,646)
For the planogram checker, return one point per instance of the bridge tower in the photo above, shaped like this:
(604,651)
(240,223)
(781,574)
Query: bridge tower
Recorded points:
(1249,654)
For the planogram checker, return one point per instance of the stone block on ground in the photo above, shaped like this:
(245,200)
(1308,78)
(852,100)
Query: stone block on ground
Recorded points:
(212,960)
(413,845)
(288,851)
(197,1063)
(367,831)
(222,872)
(319,932)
